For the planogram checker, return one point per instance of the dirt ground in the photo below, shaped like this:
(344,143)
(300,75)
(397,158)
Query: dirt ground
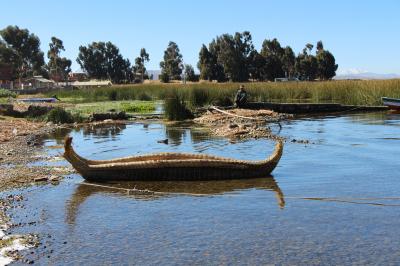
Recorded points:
(241,123)
(20,145)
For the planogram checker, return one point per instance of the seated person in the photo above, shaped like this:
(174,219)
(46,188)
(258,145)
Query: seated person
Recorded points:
(241,97)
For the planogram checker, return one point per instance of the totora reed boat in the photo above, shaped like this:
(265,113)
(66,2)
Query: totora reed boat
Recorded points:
(170,166)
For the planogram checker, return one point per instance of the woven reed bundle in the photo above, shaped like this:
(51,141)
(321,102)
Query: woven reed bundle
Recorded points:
(171,166)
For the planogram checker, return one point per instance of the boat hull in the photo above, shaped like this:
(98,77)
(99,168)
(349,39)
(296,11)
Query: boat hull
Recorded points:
(171,167)
(175,173)
(392,103)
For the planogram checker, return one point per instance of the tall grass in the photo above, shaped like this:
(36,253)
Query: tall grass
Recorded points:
(175,107)
(199,94)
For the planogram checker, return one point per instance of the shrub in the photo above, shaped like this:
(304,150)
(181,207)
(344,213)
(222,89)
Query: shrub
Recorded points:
(59,116)
(6,93)
(175,108)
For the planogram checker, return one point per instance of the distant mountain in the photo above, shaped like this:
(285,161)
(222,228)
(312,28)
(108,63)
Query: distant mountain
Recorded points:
(366,75)
(155,73)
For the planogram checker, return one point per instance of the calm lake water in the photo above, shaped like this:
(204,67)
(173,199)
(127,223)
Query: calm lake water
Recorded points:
(334,201)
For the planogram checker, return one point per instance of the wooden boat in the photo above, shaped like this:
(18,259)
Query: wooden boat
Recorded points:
(392,103)
(170,166)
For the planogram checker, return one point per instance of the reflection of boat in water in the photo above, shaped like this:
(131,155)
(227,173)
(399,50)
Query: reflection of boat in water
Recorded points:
(155,190)
(392,103)
(171,166)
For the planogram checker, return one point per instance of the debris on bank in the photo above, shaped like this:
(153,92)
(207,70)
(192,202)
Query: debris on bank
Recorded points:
(12,128)
(241,123)
(10,245)
(21,144)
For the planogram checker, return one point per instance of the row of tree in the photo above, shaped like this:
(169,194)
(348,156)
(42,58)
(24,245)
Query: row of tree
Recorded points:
(233,57)
(227,58)
(20,49)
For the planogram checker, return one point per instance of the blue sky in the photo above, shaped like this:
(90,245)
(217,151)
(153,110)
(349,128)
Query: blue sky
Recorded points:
(362,34)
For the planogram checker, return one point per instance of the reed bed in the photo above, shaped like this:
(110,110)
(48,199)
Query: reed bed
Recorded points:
(362,92)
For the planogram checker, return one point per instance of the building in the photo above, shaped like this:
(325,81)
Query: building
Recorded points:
(92,83)
(77,76)
(38,82)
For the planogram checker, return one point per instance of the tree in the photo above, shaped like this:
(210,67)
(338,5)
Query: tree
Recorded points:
(274,55)
(271,48)
(21,49)
(172,64)
(217,69)
(320,46)
(7,59)
(232,54)
(139,68)
(288,62)
(326,65)
(205,64)
(189,74)
(58,67)
(256,66)
(102,60)
(308,47)
(306,64)
(227,58)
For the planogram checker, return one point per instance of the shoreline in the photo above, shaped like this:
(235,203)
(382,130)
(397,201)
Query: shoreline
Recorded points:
(21,145)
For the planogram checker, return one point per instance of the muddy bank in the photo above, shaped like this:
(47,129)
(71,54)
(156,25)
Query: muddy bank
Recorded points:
(241,123)
(12,244)
(21,144)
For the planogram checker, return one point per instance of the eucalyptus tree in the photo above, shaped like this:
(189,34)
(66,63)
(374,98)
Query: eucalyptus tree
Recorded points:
(21,49)
(171,66)
(326,63)
(140,62)
(273,53)
(227,57)
(306,64)
(288,60)
(205,64)
(256,65)
(58,67)
(190,75)
(102,61)
(208,64)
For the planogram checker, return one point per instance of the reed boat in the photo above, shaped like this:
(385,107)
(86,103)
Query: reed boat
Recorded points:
(392,103)
(170,166)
